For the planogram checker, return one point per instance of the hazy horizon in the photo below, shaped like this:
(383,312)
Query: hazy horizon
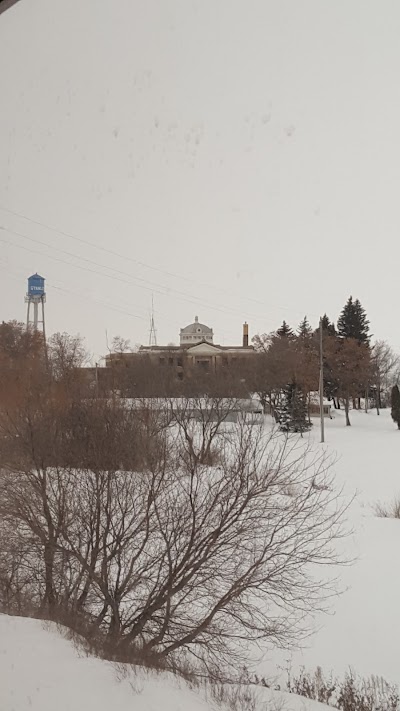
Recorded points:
(239,161)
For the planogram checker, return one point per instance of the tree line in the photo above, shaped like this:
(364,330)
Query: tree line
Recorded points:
(288,368)
(160,538)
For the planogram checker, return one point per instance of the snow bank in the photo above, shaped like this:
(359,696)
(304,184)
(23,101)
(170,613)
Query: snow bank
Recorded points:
(42,671)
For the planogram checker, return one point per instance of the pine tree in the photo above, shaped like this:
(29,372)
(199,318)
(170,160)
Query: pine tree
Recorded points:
(327,326)
(284,331)
(293,411)
(330,384)
(353,322)
(395,402)
(304,330)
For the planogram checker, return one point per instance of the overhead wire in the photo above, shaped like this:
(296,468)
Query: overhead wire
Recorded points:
(75,293)
(152,288)
(112,252)
(6,229)
(110,306)
(136,261)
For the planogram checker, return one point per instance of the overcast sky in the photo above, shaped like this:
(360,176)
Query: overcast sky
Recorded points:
(237,159)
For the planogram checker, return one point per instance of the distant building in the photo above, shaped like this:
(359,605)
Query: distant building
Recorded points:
(196,333)
(196,355)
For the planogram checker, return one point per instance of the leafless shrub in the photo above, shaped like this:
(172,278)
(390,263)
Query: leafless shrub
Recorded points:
(314,686)
(389,510)
(349,694)
(190,552)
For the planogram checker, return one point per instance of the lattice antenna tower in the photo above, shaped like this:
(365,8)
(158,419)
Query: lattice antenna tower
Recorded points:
(153,330)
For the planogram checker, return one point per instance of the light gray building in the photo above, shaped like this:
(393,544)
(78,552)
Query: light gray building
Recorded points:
(196,333)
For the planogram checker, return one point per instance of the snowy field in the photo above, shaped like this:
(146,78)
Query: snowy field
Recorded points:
(40,670)
(363,629)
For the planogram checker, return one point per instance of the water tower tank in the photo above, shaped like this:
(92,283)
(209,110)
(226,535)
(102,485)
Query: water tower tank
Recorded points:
(36,285)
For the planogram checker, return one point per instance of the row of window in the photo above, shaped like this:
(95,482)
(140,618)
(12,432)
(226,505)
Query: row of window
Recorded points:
(196,337)
(170,361)
(204,362)
(179,362)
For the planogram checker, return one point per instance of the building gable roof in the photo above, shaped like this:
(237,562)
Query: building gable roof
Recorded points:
(203,348)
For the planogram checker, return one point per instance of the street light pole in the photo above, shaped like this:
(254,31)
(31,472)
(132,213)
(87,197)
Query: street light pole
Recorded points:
(321,382)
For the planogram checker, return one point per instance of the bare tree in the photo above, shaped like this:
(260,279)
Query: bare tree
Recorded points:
(174,554)
(66,353)
(350,364)
(282,360)
(120,345)
(384,362)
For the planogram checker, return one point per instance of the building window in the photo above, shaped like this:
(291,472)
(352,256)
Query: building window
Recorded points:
(203,364)
(162,361)
(170,361)
(179,362)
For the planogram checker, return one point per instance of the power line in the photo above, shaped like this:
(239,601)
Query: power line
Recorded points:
(103,249)
(185,297)
(77,294)
(69,254)
(136,261)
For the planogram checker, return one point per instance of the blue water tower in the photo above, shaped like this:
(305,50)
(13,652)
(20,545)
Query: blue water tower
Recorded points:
(35,298)
(36,286)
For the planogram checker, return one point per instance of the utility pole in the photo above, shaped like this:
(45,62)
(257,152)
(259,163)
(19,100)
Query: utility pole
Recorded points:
(321,382)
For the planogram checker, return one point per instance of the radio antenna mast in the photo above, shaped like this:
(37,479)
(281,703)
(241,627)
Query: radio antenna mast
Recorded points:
(153,330)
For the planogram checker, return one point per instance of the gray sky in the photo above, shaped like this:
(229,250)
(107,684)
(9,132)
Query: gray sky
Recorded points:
(238,159)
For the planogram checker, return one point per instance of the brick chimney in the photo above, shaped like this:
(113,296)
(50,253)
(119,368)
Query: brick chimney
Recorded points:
(245,335)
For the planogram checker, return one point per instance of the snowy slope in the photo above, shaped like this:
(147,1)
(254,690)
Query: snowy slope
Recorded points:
(42,671)
(363,629)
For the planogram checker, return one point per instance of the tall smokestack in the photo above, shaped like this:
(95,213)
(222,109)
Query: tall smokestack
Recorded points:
(245,335)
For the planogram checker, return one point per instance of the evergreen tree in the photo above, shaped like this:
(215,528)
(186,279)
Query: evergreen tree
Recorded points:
(395,402)
(327,326)
(293,411)
(363,323)
(353,322)
(284,331)
(304,330)
(328,333)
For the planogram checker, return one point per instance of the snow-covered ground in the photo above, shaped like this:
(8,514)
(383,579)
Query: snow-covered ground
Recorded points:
(42,671)
(363,629)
